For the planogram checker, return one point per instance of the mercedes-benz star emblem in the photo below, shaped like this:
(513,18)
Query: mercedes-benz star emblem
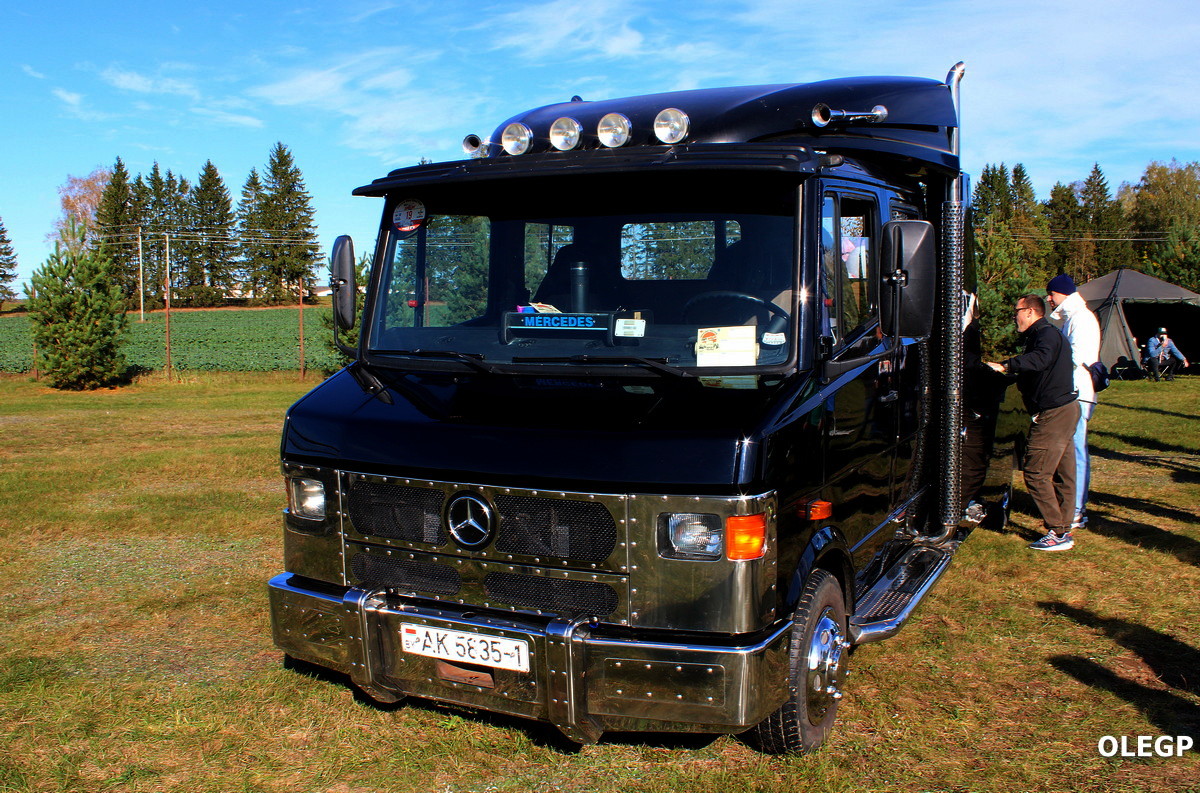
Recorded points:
(470,520)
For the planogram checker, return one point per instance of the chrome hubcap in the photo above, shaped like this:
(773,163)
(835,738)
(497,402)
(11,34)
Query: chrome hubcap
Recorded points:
(825,660)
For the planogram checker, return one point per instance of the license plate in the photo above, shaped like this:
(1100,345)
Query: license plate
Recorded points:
(465,648)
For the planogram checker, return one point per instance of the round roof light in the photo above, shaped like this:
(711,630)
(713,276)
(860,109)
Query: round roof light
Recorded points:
(614,130)
(565,133)
(671,125)
(517,138)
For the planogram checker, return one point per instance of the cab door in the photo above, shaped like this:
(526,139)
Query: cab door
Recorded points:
(860,428)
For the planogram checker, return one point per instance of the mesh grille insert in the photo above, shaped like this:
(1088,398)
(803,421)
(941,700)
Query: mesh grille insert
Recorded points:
(383,571)
(551,594)
(555,527)
(404,513)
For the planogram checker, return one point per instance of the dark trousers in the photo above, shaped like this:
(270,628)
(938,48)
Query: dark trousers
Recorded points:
(1050,465)
(1166,367)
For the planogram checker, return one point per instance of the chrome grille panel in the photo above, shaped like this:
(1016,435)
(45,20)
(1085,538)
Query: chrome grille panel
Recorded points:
(376,572)
(565,528)
(548,594)
(386,509)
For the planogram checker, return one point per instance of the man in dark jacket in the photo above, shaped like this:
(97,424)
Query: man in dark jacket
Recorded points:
(1045,378)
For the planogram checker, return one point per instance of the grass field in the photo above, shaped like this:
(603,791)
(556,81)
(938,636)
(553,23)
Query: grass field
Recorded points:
(237,340)
(139,527)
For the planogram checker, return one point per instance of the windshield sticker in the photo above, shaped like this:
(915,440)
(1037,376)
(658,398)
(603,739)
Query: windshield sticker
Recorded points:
(538,308)
(630,328)
(408,215)
(774,339)
(730,346)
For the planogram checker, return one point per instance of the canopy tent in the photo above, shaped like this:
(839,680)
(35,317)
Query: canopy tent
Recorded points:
(1131,306)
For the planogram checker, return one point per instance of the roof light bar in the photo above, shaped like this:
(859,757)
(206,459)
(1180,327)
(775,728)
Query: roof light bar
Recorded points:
(671,125)
(565,133)
(517,138)
(614,130)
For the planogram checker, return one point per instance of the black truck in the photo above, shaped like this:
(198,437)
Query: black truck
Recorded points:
(655,414)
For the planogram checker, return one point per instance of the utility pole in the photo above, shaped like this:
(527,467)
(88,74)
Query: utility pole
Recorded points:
(300,290)
(141,281)
(167,248)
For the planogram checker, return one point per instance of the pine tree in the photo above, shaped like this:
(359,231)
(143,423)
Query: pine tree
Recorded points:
(8,265)
(212,227)
(117,225)
(287,220)
(152,195)
(78,318)
(252,260)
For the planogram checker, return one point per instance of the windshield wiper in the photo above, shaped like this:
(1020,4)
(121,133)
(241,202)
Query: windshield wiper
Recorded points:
(474,360)
(657,364)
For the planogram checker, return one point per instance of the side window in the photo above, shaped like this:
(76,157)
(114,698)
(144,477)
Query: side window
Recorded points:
(848,239)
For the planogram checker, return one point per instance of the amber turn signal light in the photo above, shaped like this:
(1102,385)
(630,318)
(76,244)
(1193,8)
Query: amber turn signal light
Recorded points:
(745,536)
(816,510)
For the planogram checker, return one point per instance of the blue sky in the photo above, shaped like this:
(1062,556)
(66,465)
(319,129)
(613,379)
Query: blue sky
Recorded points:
(359,87)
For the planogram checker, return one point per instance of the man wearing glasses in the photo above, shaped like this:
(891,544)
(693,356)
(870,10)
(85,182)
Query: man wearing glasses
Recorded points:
(1045,377)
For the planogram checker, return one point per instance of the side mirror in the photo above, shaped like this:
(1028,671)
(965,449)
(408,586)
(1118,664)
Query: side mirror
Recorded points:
(341,266)
(909,274)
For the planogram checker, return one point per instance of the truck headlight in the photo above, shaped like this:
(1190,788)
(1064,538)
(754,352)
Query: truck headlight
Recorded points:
(516,138)
(614,130)
(306,498)
(690,535)
(671,125)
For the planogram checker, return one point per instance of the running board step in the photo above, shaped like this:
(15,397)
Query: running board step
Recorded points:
(883,611)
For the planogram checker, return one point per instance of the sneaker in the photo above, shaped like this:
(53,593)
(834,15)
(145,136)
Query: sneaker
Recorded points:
(1054,542)
(974,513)
(1080,521)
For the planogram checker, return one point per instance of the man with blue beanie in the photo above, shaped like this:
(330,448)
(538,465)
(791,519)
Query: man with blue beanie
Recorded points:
(1072,316)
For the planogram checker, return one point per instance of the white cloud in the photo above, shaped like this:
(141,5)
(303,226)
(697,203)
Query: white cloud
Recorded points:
(142,84)
(385,108)
(29,70)
(70,97)
(229,119)
(559,28)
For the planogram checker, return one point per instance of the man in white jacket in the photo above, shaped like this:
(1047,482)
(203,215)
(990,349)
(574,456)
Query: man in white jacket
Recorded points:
(1079,325)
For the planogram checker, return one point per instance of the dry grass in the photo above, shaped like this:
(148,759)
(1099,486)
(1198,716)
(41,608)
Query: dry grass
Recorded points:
(139,527)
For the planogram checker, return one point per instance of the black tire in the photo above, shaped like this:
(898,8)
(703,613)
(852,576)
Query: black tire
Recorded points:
(817,667)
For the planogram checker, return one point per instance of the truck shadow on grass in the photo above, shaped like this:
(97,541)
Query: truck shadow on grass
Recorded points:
(539,734)
(1173,663)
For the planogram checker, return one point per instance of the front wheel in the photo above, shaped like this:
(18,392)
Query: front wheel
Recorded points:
(817,668)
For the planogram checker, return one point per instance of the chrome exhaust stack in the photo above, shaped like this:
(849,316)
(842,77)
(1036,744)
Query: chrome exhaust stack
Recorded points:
(953,240)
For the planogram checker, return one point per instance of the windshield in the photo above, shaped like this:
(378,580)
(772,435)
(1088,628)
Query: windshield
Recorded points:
(706,289)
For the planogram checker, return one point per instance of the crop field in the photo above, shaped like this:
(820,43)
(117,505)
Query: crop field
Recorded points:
(140,525)
(232,340)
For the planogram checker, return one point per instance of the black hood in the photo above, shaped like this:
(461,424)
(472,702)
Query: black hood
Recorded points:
(596,435)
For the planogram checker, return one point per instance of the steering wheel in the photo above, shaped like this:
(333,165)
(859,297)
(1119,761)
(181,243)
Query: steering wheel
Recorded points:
(780,317)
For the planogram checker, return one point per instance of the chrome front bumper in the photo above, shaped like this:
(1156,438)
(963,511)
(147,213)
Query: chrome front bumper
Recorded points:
(582,679)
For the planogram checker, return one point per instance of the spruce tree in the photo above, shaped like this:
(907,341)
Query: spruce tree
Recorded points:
(252,261)
(117,223)
(288,226)
(78,317)
(212,228)
(8,265)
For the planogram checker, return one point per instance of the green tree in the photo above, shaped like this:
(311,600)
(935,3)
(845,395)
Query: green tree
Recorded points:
(209,250)
(118,221)
(1177,259)
(78,315)
(288,229)
(1072,247)
(8,265)
(251,248)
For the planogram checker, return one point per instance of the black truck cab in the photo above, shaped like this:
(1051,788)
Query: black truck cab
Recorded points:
(654,414)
